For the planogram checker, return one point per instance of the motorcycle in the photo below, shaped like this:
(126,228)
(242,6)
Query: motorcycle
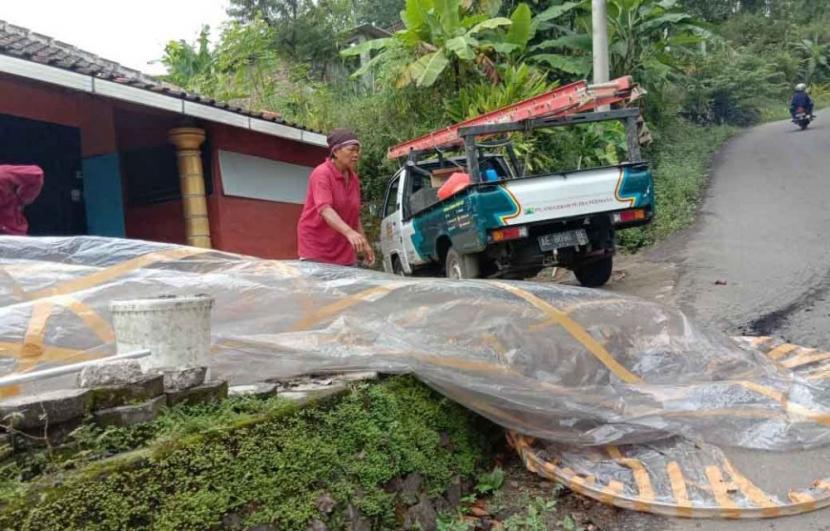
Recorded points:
(802,118)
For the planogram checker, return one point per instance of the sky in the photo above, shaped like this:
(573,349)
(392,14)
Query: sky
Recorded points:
(130,32)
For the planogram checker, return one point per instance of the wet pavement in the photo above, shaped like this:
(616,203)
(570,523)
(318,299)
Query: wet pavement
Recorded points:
(757,262)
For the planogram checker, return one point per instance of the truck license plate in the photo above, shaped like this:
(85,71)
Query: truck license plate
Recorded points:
(559,240)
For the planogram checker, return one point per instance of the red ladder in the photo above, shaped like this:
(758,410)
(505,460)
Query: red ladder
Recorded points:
(570,99)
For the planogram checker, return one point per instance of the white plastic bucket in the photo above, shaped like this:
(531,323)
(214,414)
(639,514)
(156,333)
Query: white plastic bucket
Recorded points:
(175,329)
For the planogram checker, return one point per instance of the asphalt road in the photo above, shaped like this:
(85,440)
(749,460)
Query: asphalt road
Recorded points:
(756,262)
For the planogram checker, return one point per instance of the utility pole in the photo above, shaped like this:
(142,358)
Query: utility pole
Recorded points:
(599,23)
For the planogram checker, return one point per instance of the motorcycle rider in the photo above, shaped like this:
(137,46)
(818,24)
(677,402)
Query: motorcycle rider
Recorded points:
(801,99)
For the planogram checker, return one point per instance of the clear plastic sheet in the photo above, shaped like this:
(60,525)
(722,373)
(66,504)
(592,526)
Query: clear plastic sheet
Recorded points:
(576,367)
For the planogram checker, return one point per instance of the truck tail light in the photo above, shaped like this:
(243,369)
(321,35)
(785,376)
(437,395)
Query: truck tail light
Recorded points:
(511,233)
(627,216)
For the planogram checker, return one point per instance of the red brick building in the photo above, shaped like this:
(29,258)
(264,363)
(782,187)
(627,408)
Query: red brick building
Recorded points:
(118,162)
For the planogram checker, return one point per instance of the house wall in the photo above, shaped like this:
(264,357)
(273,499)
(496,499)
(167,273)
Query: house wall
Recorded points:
(159,221)
(94,118)
(108,129)
(241,225)
(254,226)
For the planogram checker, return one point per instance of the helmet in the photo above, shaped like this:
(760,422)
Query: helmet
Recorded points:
(801,87)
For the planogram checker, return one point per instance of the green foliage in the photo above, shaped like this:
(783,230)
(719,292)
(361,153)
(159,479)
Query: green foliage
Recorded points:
(189,65)
(453,522)
(710,10)
(813,56)
(535,518)
(536,513)
(269,470)
(729,86)
(517,83)
(570,58)
(451,36)
(799,11)
(440,36)
(568,524)
(381,13)
(648,40)
(244,66)
(303,30)
(380,119)
(490,482)
(92,443)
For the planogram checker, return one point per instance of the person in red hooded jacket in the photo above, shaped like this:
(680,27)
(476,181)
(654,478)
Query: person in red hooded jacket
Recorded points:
(19,186)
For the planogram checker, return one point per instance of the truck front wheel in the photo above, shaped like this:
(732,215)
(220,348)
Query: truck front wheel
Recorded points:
(461,266)
(595,274)
(397,267)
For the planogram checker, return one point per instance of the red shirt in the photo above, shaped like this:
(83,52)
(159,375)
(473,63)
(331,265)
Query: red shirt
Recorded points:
(19,186)
(316,240)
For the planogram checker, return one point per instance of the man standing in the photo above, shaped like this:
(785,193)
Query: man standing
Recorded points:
(329,230)
(19,186)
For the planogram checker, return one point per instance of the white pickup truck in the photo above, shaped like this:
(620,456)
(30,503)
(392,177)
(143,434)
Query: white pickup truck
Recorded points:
(510,225)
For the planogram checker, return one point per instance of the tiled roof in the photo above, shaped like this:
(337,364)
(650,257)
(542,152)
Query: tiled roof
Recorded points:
(23,43)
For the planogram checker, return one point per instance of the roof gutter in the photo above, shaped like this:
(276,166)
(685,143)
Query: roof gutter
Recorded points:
(148,98)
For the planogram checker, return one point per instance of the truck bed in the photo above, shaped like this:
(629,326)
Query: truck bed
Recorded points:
(553,196)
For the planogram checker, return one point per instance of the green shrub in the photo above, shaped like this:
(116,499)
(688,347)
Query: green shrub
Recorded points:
(270,470)
(729,86)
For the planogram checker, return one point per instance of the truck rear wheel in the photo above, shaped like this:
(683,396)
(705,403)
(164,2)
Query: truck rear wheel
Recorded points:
(595,274)
(461,266)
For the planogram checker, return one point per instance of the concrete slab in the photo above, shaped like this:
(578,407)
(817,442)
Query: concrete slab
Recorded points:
(53,407)
(110,373)
(180,379)
(146,388)
(208,392)
(130,415)
(259,390)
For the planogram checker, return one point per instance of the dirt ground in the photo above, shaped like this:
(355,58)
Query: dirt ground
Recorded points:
(528,502)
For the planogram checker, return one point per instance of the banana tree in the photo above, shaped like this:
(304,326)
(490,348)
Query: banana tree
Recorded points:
(515,45)
(567,49)
(438,36)
(189,65)
(815,56)
(648,34)
(645,38)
